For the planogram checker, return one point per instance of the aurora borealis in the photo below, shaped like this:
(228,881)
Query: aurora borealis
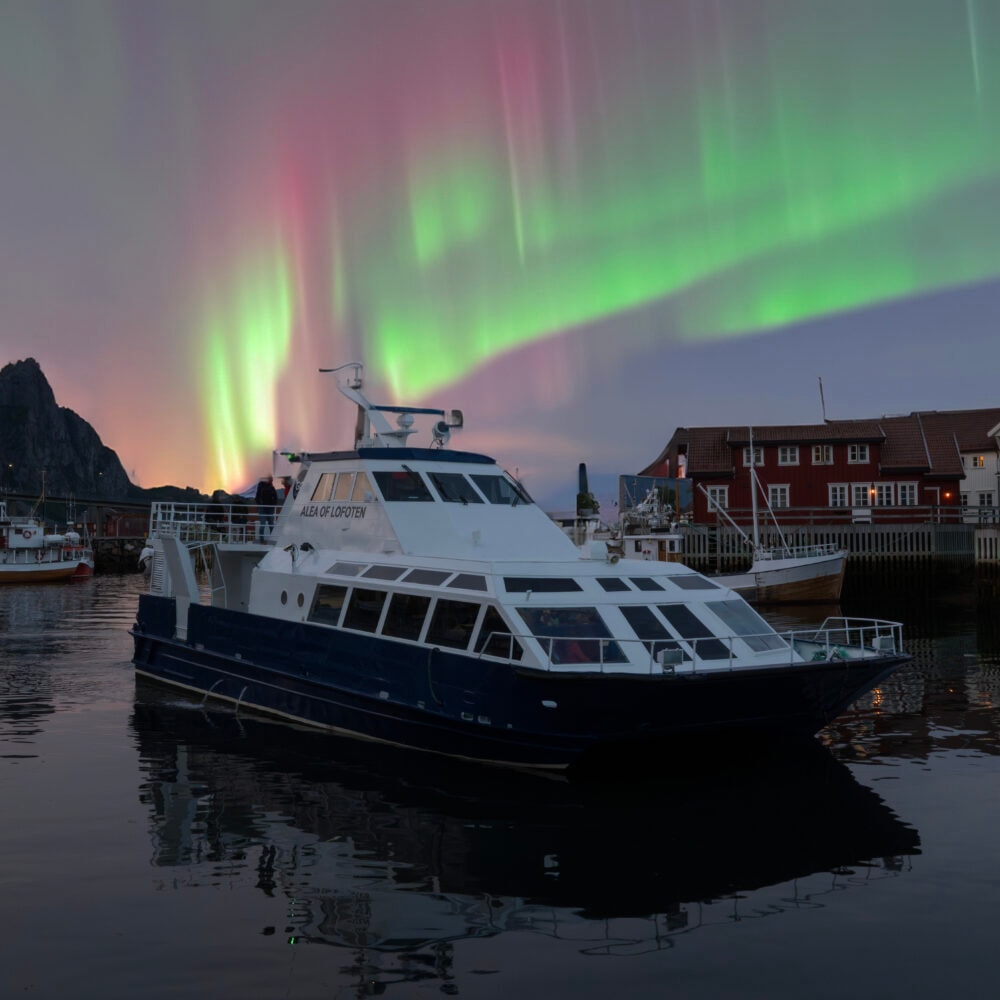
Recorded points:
(545,211)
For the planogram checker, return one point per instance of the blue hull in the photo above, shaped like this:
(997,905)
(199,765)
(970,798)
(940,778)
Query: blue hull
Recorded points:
(455,704)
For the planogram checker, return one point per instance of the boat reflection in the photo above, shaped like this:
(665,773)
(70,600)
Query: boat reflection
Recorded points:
(400,855)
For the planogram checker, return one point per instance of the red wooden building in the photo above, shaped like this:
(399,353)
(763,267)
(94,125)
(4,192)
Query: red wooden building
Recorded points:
(898,468)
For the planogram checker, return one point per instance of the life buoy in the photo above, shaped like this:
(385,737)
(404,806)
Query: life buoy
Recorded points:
(25,533)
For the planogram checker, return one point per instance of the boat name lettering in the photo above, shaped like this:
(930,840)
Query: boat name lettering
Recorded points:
(333,510)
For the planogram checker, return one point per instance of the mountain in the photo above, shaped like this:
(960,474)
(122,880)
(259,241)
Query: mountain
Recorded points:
(37,434)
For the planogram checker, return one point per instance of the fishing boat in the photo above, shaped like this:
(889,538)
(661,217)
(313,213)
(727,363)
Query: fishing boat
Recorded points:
(778,574)
(28,554)
(417,596)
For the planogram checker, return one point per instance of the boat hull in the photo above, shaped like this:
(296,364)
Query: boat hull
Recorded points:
(818,580)
(463,706)
(42,572)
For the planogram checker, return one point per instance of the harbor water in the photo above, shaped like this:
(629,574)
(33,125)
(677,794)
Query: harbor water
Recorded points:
(155,846)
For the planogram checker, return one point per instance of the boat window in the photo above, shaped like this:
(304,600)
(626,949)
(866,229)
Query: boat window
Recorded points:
(362,488)
(345,569)
(429,576)
(689,626)
(364,609)
(612,583)
(469,581)
(648,627)
(745,622)
(324,487)
(693,581)
(384,572)
(452,624)
(454,487)
(578,635)
(500,489)
(540,584)
(495,637)
(345,483)
(327,604)
(402,484)
(645,583)
(405,617)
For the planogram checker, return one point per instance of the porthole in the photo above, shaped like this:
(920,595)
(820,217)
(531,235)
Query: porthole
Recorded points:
(284,597)
(300,600)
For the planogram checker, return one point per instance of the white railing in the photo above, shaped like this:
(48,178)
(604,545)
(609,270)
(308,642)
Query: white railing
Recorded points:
(835,640)
(799,551)
(206,522)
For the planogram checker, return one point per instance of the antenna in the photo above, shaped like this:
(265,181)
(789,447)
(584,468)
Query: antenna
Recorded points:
(822,401)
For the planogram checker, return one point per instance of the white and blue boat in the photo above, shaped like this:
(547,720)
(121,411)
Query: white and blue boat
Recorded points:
(415,595)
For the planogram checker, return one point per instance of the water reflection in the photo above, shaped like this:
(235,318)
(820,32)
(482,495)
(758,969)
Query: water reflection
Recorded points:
(396,856)
(53,637)
(949,697)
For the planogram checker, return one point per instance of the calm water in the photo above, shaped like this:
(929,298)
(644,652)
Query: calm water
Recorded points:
(151,848)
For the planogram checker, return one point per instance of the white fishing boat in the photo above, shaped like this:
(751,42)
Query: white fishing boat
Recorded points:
(28,554)
(778,573)
(786,574)
(806,574)
(415,595)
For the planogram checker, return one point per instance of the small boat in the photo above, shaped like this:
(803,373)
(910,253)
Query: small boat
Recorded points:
(417,596)
(807,574)
(29,555)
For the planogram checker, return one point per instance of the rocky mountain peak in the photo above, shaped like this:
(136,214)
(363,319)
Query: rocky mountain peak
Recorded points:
(37,434)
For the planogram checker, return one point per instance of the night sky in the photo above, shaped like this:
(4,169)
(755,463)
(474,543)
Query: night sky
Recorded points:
(584,222)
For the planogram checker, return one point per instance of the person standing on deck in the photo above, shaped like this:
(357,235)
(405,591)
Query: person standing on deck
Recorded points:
(266,499)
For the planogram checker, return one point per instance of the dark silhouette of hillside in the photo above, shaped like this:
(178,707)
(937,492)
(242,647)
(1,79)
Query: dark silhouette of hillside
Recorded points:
(37,434)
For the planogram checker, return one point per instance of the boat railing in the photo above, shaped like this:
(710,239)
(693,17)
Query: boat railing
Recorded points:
(835,640)
(195,523)
(848,638)
(800,551)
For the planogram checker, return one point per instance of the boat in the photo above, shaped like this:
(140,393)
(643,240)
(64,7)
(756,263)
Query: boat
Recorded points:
(29,554)
(780,574)
(417,596)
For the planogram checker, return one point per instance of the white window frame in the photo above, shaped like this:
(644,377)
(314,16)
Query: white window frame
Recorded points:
(857,454)
(906,494)
(822,454)
(778,495)
(788,454)
(885,495)
(758,454)
(985,498)
(838,494)
(861,494)
(979,461)
(720,494)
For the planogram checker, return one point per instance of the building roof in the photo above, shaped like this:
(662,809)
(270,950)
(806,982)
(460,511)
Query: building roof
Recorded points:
(832,432)
(971,428)
(905,448)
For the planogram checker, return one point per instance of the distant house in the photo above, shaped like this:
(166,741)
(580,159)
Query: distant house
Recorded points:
(898,468)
